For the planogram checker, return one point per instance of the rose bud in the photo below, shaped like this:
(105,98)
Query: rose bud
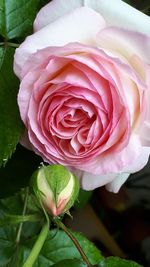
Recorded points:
(56,187)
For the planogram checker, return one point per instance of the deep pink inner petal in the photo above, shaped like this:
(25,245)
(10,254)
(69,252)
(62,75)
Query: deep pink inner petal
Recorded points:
(77,112)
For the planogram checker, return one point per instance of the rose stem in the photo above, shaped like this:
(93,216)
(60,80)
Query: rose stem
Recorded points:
(37,246)
(23,213)
(9,44)
(74,240)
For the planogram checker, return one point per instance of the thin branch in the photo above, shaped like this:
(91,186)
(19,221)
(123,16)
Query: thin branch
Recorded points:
(74,240)
(10,219)
(23,213)
(9,44)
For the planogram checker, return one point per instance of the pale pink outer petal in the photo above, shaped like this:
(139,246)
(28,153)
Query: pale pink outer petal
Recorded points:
(116,13)
(115,185)
(112,179)
(124,42)
(139,163)
(144,125)
(113,162)
(135,48)
(90,181)
(73,27)
(53,11)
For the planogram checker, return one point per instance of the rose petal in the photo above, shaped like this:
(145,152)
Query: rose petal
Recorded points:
(115,12)
(54,10)
(137,165)
(118,13)
(115,185)
(90,181)
(113,181)
(131,159)
(144,124)
(70,28)
(124,42)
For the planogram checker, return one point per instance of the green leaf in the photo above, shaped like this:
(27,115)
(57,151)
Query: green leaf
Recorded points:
(117,262)
(16,17)
(10,126)
(83,199)
(58,247)
(13,207)
(10,252)
(68,263)
(7,237)
(58,250)
(9,219)
(14,204)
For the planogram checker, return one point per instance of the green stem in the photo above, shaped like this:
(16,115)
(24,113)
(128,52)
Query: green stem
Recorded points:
(37,246)
(9,44)
(39,242)
(23,213)
(74,240)
(15,219)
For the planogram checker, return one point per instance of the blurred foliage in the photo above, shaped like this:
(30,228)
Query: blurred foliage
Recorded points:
(17,171)
(143,6)
(83,198)
(57,247)
(10,123)
(16,22)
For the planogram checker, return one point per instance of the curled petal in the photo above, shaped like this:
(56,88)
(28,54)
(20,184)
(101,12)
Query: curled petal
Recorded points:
(76,30)
(115,185)
(115,12)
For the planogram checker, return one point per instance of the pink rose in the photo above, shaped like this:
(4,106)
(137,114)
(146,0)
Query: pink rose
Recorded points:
(85,89)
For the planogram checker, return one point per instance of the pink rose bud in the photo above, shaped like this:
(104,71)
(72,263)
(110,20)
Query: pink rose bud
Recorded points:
(56,187)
